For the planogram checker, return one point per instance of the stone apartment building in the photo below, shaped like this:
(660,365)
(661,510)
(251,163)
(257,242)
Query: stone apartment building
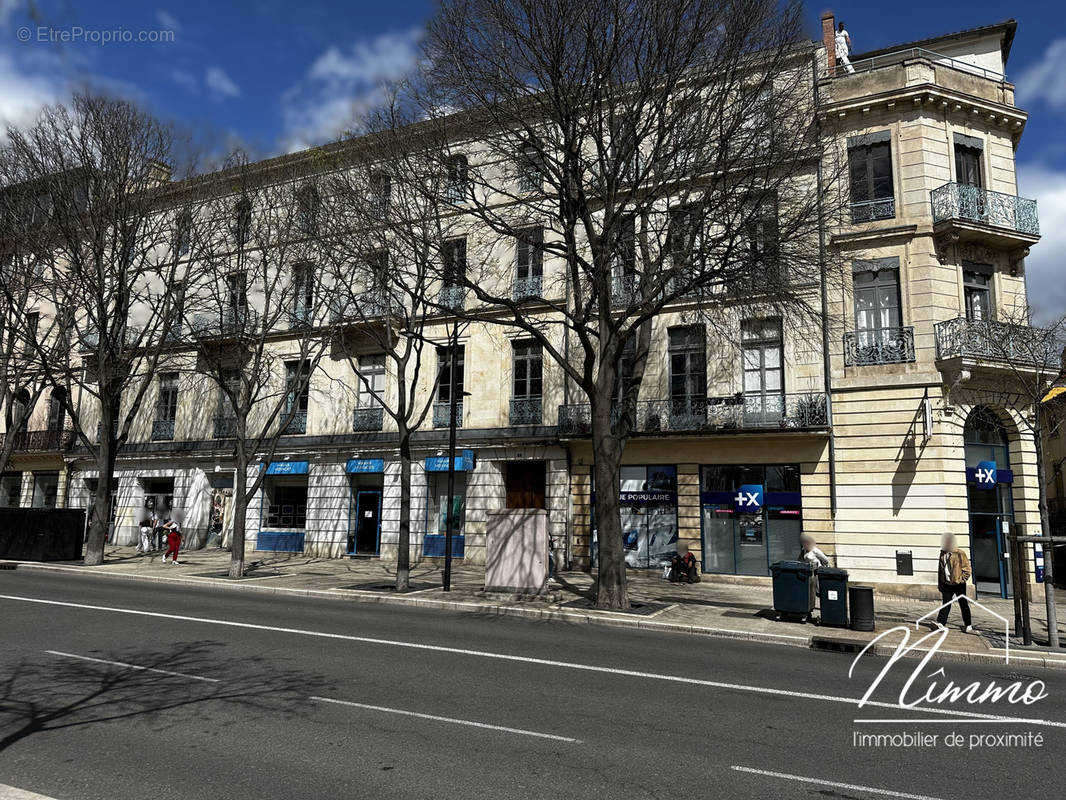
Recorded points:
(867,433)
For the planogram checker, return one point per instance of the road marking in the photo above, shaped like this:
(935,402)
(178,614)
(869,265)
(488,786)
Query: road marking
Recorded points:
(452,720)
(132,666)
(629,673)
(11,793)
(833,784)
(1002,720)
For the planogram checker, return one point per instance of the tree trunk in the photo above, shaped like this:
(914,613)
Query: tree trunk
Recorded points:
(611,591)
(240,513)
(105,466)
(403,546)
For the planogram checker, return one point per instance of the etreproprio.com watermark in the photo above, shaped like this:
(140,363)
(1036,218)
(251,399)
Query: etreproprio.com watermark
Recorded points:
(76,34)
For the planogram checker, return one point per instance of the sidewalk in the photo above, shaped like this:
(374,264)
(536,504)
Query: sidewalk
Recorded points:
(708,608)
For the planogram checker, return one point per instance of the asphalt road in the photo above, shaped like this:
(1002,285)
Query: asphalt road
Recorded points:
(255,696)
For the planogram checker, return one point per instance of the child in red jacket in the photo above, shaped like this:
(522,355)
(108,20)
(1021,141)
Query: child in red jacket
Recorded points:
(173,532)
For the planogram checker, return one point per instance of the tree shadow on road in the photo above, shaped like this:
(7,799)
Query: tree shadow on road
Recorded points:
(56,692)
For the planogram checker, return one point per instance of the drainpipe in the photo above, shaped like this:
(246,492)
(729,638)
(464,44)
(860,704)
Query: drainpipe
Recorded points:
(827,376)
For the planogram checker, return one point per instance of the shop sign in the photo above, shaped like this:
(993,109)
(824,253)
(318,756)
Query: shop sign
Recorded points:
(463,462)
(985,475)
(288,467)
(748,499)
(366,465)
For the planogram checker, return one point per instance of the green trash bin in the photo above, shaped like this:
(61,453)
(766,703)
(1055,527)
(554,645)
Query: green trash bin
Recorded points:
(793,583)
(833,596)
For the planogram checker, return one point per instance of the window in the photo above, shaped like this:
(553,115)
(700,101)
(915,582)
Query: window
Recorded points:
(380,193)
(228,399)
(183,234)
(297,394)
(458,188)
(527,383)
(763,363)
(688,371)
(242,228)
(45,489)
(877,300)
(529,262)
(870,167)
(287,503)
(625,281)
(626,365)
(33,321)
(303,294)
(372,380)
(968,150)
(166,407)
(236,291)
(879,336)
(977,289)
(10,489)
(307,205)
(761,233)
(57,409)
(453,256)
(684,236)
(530,169)
(444,379)
(525,484)
(625,148)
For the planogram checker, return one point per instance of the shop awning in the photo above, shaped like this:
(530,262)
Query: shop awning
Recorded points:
(288,467)
(365,465)
(464,462)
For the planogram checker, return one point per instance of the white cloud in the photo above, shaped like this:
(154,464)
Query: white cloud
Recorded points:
(220,84)
(22,95)
(184,79)
(1045,268)
(7,8)
(343,84)
(166,19)
(1046,79)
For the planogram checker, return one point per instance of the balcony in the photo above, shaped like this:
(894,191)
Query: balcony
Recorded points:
(442,414)
(997,342)
(41,441)
(880,346)
(162,430)
(231,322)
(372,305)
(368,419)
(873,210)
(625,290)
(297,425)
(452,297)
(526,288)
(225,426)
(301,318)
(526,410)
(732,414)
(973,214)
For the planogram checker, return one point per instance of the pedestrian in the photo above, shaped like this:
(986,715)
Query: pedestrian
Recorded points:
(683,568)
(810,553)
(842,45)
(173,531)
(157,533)
(952,576)
(145,545)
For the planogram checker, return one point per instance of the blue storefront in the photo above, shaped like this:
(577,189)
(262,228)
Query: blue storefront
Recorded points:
(752,516)
(436,469)
(283,507)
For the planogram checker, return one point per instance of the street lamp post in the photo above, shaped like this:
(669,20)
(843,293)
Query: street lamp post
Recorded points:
(449,526)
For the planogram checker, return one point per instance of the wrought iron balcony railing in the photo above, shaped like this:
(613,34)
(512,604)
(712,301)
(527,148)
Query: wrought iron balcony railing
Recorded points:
(988,340)
(878,346)
(442,414)
(873,210)
(231,322)
(301,318)
(452,296)
(371,305)
(296,426)
(974,204)
(708,415)
(525,288)
(225,426)
(625,290)
(40,441)
(526,410)
(162,429)
(368,419)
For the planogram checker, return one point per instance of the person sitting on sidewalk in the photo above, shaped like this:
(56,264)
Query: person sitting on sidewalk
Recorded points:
(683,567)
(952,577)
(173,533)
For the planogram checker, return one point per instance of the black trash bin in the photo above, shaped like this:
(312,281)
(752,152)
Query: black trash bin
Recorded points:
(861,599)
(793,587)
(833,596)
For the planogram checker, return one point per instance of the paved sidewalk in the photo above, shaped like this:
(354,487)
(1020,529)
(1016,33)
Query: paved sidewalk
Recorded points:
(707,608)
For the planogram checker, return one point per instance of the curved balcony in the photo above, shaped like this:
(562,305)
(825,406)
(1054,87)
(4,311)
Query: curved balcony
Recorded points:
(879,346)
(973,214)
(998,342)
(40,441)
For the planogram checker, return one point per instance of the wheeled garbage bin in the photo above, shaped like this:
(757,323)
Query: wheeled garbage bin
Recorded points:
(861,599)
(833,596)
(793,587)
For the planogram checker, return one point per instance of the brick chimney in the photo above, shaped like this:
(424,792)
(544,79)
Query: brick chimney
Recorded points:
(829,24)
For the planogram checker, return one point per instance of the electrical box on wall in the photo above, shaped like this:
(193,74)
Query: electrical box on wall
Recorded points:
(904,562)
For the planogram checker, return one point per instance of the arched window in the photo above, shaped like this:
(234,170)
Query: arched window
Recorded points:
(985,438)
(57,410)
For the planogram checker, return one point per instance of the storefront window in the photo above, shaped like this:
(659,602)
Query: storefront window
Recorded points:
(752,517)
(288,503)
(10,489)
(648,508)
(438,503)
(45,489)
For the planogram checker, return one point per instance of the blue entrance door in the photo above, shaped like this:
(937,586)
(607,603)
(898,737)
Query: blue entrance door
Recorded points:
(364,535)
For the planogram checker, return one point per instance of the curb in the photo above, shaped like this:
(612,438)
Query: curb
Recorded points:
(598,618)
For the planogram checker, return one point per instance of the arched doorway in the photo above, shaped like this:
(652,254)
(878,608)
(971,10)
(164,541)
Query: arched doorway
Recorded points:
(989,499)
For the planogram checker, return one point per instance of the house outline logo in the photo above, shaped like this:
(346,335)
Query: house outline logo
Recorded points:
(983,607)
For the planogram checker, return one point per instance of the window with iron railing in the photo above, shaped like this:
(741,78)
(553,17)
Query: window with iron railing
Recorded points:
(870,170)
(166,408)
(458,183)
(447,388)
(303,294)
(527,383)
(688,370)
(297,396)
(529,262)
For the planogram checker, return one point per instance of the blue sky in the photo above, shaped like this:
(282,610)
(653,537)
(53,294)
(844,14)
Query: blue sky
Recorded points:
(279,75)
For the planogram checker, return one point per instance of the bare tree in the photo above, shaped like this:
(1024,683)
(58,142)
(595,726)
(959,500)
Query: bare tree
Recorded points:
(1031,358)
(105,263)
(380,240)
(247,247)
(651,155)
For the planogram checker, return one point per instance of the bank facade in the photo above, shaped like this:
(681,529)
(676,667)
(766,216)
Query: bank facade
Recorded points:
(872,432)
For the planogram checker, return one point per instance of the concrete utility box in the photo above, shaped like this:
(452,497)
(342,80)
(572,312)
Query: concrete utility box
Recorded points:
(516,551)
